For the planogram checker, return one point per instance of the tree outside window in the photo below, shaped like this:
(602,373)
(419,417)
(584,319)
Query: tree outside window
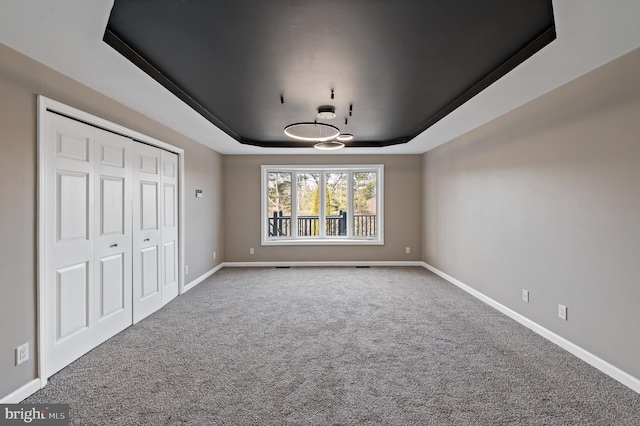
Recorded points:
(322,204)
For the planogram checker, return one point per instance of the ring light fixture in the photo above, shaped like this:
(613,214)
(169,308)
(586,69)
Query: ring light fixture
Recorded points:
(312,132)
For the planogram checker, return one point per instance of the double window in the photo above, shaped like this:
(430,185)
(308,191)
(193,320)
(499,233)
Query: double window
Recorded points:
(322,204)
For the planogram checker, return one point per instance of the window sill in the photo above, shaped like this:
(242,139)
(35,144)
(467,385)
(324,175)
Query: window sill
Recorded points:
(324,242)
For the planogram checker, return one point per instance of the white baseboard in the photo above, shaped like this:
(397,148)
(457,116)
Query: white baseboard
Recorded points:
(201,278)
(37,384)
(612,371)
(25,391)
(320,263)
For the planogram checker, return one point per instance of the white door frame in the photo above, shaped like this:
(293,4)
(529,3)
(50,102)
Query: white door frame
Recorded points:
(45,104)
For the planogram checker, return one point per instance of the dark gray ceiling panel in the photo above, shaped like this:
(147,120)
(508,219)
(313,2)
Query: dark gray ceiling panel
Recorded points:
(399,65)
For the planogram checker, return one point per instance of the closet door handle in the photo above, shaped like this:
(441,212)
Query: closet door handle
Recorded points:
(113,245)
(145,240)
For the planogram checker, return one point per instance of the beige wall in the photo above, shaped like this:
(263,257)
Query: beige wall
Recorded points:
(547,198)
(402,210)
(544,198)
(21,80)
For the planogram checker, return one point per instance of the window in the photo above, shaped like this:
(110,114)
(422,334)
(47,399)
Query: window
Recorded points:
(308,205)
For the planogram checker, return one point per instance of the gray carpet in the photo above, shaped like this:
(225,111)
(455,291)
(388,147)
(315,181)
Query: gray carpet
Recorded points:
(334,346)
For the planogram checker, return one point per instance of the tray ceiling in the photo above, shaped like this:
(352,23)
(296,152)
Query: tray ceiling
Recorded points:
(253,67)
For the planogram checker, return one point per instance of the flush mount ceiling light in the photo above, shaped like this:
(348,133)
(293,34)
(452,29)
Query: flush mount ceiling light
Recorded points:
(326,112)
(312,132)
(328,146)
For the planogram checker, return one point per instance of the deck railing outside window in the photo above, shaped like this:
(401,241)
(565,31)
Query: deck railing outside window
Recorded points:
(364,225)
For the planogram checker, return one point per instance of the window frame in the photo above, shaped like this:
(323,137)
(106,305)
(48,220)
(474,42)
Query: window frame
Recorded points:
(322,239)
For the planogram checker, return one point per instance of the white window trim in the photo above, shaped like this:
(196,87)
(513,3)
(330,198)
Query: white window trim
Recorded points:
(324,240)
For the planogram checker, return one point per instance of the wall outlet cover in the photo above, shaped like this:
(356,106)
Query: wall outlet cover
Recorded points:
(22,353)
(562,312)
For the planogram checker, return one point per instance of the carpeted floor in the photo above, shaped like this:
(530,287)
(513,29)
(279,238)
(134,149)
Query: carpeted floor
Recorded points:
(334,346)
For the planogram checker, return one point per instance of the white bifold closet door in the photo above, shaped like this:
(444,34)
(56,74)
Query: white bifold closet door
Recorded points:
(87,238)
(112,245)
(155,229)
(147,237)
(110,235)
(169,226)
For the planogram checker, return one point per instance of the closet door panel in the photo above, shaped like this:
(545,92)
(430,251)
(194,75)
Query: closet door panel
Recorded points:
(113,235)
(113,288)
(169,181)
(147,234)
(68,240)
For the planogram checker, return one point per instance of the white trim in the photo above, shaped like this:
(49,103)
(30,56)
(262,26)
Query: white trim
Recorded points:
(181,225)
(201,278)
(41,305)
(293,240)
(326,241)
(610,370)
(59,107)
(23,392)
(320,263)
(46,104)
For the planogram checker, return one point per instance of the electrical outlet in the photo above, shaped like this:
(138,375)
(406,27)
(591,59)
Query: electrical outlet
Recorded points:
(22,353)
(562,312)
(407,250)
(525,295)
(214,255)
(251,251)
(186,269)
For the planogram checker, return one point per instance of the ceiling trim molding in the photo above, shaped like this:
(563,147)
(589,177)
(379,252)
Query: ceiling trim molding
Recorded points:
(67,37)
(519,57)
(303,144)
(118,44)
(128,52)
